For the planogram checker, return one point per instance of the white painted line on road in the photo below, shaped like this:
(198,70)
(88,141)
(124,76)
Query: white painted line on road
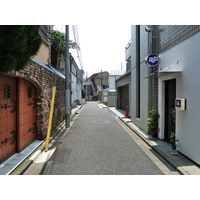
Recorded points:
(99,105)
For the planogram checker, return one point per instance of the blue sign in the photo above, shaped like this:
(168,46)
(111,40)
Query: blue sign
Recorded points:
(178,103)
(152,60)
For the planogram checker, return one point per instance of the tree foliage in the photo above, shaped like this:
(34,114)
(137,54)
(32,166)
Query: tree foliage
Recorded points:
(17,45)
(58,42)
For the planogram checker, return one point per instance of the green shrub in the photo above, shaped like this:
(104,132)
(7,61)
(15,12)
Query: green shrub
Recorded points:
(152,123)
(105,103)
(173,142)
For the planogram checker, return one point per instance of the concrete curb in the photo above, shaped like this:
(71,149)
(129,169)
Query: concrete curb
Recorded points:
(157,150)
(24,165)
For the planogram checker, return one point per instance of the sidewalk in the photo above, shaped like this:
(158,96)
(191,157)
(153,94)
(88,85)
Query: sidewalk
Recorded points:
(182,164)
(19,162)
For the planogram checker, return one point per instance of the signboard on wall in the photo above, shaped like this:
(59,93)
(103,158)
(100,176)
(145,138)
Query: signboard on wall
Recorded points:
(152,60)
(180,104)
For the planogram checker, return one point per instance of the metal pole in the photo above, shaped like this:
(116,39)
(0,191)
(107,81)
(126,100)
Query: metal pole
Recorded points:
(67,80)
(50,119)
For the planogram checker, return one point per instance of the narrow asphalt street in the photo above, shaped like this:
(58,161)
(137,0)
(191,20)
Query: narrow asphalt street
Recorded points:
(98,143)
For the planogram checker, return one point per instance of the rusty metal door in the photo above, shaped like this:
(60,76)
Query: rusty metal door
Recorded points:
(26,114)
(7,117)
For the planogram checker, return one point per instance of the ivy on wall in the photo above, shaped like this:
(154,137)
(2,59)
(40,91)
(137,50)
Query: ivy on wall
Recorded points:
(58,42)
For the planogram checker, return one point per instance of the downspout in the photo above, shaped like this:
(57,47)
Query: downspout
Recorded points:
(150,70)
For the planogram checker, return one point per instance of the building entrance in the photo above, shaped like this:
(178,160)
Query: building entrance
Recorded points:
(123,97)
(170,111)
(17,115)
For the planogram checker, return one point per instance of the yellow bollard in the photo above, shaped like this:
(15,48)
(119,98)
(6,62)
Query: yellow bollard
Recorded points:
(50,118)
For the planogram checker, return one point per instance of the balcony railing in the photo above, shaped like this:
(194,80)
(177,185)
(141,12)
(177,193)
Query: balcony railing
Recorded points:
(127,46)
(45,33)
(128,51)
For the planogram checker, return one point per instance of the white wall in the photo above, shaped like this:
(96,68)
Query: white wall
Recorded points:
(112,82)
(133,74)
(187,54)
(112,79)
(144,82)
(79,90)
(73,87)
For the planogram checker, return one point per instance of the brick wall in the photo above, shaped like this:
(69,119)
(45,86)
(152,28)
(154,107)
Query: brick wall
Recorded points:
(167,36)
(44,79)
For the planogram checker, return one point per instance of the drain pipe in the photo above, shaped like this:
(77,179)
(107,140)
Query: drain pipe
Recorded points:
(150,38)
(150,71)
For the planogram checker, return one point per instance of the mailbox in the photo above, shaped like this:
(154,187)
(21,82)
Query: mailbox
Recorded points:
(180,104)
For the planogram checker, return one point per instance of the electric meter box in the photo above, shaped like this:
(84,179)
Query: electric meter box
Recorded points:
(180,104)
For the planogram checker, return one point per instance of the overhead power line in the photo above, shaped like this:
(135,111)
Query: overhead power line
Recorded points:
(76,39)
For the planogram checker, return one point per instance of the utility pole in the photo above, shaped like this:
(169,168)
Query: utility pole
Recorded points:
(67,80)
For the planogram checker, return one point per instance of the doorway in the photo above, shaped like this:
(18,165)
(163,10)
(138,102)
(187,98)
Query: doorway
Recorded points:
(8,125)
(170,111)
(123,97)
(18,115)
(26,114)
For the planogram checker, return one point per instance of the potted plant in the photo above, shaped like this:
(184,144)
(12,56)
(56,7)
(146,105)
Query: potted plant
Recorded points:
(173,143)
(152,123)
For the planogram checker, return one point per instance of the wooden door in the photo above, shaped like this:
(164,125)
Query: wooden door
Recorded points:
(7,117)
(26,114)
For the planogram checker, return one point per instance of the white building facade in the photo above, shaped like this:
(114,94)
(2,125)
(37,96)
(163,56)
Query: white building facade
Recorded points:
(76,80)
(111,92)
(113,76)
(175,77)
(181,65)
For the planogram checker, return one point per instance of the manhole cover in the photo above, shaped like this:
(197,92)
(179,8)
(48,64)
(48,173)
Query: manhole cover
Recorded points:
(100,121)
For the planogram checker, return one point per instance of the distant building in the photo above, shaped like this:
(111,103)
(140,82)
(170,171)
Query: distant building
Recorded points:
(113,76)
(96,84)
(76,83)
(123,83)
(111,91)
(76,77)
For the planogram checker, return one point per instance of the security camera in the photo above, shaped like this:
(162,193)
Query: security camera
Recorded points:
(148,30)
